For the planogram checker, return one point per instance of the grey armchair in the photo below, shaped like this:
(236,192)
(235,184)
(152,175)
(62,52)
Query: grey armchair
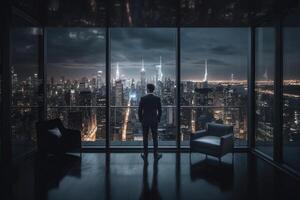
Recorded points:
(216,140)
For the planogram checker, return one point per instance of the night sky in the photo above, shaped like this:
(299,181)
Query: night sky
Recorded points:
(80,52)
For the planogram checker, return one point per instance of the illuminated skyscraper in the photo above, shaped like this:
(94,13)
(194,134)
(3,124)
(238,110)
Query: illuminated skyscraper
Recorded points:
(266,75)
(84,83)
(119,93)
(14,79)
(143,79)
(205,73)
(35,81)
(117,72)
(99,79)
(159,74)
(205,79)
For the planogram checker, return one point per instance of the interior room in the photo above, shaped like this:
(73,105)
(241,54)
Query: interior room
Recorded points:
(152,99)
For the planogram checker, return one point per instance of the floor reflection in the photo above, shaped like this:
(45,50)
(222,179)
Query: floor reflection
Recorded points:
(153,192)
(216,173)
(125,176)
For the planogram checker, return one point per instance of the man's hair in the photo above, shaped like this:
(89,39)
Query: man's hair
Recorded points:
(150,87)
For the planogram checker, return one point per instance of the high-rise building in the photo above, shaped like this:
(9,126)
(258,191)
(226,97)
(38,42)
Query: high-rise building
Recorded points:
(99,82)
(119,93)
(117,72)
(84,83)
(143,79)
(159,74)
(205,78)
(35,83)
(14,79)
(52,81)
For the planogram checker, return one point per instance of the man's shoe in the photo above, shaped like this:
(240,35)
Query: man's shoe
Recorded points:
(144,157)
(157,156)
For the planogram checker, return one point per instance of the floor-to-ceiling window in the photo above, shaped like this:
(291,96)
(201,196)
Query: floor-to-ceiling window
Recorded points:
(25,85)
(140,56)
(291,90)
(1,93)
(264,88)
(76,88)
(214,63)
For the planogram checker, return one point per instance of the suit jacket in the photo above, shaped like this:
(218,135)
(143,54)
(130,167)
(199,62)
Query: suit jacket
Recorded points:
(150,109)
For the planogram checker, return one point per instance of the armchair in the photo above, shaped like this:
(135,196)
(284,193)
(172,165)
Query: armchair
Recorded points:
(216,140)
(54,138)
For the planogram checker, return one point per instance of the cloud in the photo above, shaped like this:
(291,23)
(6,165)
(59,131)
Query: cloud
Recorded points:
(224,50)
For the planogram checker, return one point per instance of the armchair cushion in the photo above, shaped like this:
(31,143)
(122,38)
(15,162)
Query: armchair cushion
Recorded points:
(55,132)
(208,141)
(198,134)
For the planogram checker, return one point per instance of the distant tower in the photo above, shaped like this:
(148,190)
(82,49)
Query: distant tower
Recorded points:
(143,78)
(205,74)
(232,77)
(99,79)
(52,81)
(84,83)
(117,72)
(266,75)
(35,81)
(14,79)
(159,74)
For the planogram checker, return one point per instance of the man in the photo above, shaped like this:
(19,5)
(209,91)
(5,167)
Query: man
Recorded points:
(149,116)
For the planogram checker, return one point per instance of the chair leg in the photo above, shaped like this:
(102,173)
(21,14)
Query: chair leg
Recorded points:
(220,161)
(205,156)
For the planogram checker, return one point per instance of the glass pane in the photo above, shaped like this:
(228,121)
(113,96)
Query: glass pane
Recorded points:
(23,122)
(76,79)
(80,13)
(90,120)
(143,13)
(1,111)
(291,90)
(140,56)
(214,63)
(24,67)
(25,92)
(264,89)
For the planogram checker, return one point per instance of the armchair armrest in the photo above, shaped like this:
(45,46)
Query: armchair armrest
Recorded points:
(73,137)
(72,131)
(198,134)
(227,142)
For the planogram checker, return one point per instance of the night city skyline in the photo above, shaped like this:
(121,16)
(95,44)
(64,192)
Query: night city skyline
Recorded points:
(217,64)
(80,52)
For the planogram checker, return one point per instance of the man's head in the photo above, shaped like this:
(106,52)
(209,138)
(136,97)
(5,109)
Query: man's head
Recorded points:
(150,88)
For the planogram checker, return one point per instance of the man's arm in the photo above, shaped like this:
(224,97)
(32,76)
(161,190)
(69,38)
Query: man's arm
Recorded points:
(159,110)
(140,111)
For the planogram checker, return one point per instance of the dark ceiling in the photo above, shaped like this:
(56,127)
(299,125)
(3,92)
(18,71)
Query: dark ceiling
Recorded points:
(155,13)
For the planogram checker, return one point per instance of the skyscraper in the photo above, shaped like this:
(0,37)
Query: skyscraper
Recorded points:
(14,79)
(119,93)
(143,79)
(117,72)
(99,79)
(205,73)
(205,79)
(159,74)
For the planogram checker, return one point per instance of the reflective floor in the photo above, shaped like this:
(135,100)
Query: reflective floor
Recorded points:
(125,176)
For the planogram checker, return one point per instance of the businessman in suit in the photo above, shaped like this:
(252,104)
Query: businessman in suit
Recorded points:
(149,116)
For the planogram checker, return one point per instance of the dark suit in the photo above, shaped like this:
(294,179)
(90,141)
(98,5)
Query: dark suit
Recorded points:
(149,116)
